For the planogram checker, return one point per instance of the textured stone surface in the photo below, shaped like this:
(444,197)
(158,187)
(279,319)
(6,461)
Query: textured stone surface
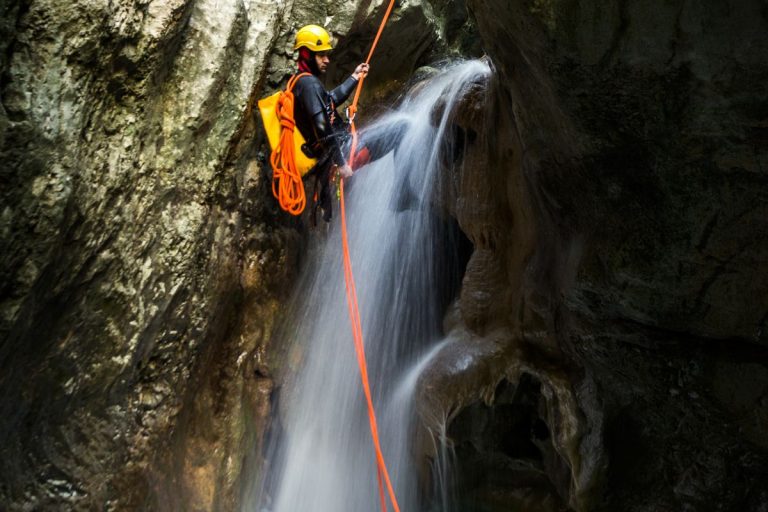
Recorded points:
(129,203)
(608,347)
(614,308)
(143,259)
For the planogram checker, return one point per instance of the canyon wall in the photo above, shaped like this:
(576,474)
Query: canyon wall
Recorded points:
(612,183)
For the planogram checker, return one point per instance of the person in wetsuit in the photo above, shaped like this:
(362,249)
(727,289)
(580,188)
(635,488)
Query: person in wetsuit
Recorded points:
(316,113)
(318,119)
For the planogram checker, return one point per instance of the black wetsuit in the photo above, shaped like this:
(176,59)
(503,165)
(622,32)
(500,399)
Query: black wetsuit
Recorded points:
(319,121)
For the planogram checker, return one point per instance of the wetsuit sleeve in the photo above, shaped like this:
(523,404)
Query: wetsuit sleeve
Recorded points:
(340,94)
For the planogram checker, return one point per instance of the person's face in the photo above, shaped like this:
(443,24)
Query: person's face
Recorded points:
(322,60)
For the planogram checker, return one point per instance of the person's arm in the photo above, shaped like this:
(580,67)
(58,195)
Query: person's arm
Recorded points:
(340,94)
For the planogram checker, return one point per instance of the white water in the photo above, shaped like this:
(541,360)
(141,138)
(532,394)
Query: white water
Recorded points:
(323,459)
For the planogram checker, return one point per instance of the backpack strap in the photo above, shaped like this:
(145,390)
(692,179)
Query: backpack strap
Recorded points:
(294,79)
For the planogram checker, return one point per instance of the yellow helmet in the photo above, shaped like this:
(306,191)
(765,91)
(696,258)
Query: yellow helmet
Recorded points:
(314,37)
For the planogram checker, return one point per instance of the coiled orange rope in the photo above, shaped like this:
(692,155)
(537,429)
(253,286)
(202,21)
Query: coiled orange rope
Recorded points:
(354,312)
(287,186)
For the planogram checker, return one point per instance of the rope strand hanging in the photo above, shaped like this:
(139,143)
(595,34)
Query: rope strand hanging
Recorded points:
(354,311)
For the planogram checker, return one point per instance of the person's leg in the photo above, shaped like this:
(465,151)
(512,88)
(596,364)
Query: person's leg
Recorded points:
(321,196)
(361,157)
(377,142)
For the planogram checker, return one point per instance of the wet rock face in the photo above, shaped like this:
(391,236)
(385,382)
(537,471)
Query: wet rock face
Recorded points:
(639,109)
(143,258)
(133,227)
(506,452)
(621,166)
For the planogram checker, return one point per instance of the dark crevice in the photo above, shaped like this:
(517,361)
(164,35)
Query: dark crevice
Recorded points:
(707,233)
(617,36)
(506,445)
(8,31)
(169,47)
(460,249)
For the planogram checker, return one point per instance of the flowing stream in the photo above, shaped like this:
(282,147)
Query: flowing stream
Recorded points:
(321,457)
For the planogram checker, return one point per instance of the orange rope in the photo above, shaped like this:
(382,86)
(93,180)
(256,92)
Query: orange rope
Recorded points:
(353,107)
(354,310)
(287,186)
(357,334)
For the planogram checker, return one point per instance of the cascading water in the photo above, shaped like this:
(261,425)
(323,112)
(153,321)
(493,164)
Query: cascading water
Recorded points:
(322,459)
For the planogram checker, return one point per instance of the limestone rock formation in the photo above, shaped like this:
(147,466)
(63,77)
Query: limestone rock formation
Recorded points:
(143,258)
(610,332)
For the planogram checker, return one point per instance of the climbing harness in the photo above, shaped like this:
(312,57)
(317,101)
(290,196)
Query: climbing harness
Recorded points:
(289,163)
(382,474)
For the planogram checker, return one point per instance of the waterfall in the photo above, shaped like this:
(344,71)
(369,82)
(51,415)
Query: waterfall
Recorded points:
(321,456)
